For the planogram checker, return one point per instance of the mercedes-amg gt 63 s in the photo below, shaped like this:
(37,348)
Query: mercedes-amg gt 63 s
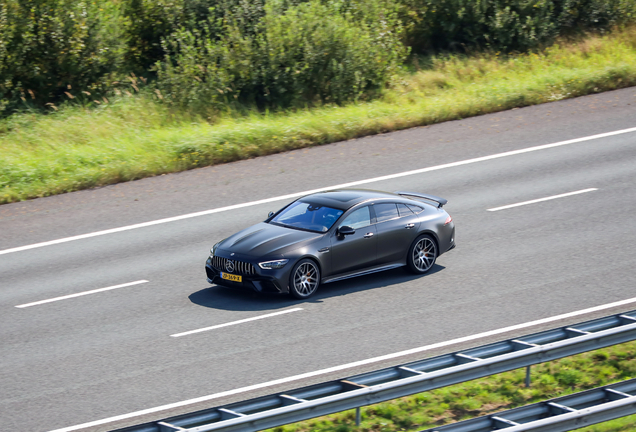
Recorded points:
(333,235)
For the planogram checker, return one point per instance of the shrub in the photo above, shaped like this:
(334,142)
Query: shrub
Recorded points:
(602,15)
(302,55)
(52,49)
(462,25)
(149,22)
(506,25)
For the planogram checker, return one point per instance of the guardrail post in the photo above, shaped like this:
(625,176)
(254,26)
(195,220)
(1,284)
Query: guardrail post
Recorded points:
(527,376)
(358,416)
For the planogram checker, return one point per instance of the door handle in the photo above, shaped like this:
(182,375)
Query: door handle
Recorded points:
(368,235)
(409,226)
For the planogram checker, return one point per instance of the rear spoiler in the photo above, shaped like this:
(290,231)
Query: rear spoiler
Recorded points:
(440,201)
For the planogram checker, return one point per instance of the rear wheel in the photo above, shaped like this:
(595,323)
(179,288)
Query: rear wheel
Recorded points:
(422,254)
(304,279)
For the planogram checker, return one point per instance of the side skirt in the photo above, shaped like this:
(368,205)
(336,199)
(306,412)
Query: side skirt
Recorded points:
(362,272)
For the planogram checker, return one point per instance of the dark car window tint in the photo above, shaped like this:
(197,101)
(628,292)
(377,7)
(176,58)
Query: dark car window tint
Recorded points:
(358,219)
(404,210)
(416,209)
(385,212)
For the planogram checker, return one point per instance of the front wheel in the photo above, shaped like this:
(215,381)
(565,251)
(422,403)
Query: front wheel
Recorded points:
(304,279)
(422,254)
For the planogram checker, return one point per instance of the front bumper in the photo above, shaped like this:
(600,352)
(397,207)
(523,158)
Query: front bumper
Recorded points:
(275,281)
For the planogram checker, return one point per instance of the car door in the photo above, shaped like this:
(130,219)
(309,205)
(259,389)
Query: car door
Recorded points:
(397,227)
(358,250)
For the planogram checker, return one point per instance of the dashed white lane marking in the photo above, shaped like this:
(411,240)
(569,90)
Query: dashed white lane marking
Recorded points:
(82,294)
(542,199)
(297,194)
(344,366)
(236,322)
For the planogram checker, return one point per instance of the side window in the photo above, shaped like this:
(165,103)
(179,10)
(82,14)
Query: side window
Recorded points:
(358,219)
(404,210)
(385,212)
(416,209)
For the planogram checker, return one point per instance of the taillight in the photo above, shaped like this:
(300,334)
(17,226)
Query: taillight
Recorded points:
(449,219)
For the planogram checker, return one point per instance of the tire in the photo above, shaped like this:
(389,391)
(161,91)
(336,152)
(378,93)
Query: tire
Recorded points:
(304,279)
(422,254)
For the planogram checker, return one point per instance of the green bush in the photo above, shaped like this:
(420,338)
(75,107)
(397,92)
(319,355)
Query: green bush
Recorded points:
(506,25)
(149,22)
(51,50)
(301,55)
(602,15)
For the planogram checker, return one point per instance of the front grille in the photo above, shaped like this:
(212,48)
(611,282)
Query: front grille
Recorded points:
(240,267)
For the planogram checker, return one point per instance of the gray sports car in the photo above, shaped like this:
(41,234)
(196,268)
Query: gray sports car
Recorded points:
(334,235)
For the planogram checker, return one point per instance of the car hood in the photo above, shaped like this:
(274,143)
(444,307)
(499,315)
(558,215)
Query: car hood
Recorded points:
(265,239)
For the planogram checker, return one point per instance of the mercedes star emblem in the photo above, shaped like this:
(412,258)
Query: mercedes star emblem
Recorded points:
(229,266)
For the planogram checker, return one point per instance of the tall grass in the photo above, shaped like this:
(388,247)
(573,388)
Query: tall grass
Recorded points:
(134,135)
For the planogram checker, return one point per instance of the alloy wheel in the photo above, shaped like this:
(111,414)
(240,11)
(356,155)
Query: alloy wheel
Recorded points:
(424,254)
(305,279)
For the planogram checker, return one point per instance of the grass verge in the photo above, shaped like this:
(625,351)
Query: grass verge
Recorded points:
(490,395)
(137,136)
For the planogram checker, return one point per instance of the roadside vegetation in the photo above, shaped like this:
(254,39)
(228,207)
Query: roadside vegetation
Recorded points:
(490,395)
(98,93)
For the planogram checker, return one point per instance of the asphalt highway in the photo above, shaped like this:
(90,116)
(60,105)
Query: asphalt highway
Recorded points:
(69,359)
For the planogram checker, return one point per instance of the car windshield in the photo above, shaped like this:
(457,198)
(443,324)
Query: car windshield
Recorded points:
(308,216)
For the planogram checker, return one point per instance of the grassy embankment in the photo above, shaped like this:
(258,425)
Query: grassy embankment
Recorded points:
(490,395)
(131,137)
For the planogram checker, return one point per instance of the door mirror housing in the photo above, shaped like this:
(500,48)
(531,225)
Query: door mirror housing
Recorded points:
(270,215)
(345,231)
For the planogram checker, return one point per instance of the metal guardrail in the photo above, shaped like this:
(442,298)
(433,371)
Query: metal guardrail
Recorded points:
(394,382)
(557,415)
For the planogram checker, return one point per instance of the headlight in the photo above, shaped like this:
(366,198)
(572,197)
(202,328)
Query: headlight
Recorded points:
(213,250)
(270,265)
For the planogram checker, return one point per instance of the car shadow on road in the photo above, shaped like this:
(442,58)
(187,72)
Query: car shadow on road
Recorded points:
(222,298)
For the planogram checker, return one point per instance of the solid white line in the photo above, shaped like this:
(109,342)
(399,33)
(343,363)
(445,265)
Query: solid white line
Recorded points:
(236,322)
(345,366)
(542,199)
(297,194)
(82,294)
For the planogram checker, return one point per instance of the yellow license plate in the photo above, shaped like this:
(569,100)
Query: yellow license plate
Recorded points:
(231,277)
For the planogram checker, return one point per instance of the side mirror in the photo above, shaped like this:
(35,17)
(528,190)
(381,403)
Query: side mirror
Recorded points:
(345,231)
(270,215)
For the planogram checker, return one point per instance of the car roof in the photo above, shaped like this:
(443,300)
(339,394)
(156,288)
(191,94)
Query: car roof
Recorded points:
(344,199)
